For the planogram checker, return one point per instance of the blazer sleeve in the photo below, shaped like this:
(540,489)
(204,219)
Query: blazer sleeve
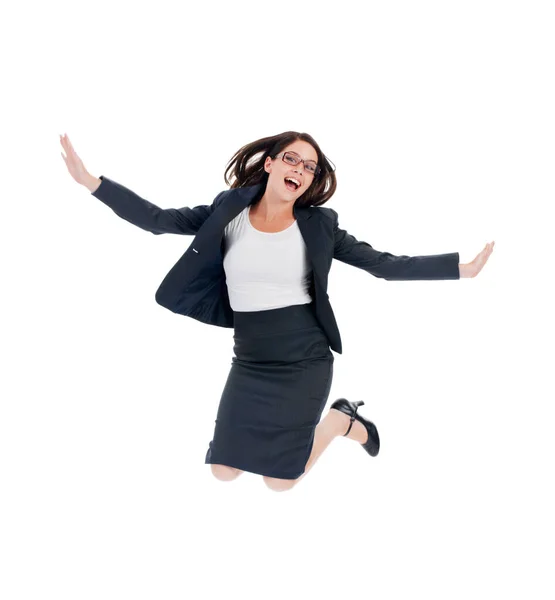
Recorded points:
(360,254)
(142,213)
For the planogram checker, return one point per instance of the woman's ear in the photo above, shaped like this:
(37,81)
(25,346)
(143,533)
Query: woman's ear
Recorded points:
(268,164)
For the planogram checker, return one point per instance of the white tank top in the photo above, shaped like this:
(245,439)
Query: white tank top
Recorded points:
(265,270)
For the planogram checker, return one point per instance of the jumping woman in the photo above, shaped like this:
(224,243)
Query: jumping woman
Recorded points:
(259,264)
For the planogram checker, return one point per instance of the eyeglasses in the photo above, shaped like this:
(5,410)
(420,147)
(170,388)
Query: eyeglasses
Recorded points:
(292,158)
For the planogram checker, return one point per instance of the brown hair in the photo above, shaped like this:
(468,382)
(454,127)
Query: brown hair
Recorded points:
(248,170)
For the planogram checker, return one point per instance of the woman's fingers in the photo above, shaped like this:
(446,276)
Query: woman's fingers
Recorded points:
(63,141)
(487,250)
(70,151)
(73,162)
(472,268)
(67,144)
(70,145)
(481,258)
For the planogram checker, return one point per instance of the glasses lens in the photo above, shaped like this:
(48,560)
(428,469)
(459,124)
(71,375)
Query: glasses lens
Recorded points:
(291,159)
(311,167)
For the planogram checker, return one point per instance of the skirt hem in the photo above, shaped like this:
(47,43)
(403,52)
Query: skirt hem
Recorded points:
(255,472)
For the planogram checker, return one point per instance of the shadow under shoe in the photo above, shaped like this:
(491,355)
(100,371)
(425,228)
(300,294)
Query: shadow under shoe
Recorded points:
(372,445)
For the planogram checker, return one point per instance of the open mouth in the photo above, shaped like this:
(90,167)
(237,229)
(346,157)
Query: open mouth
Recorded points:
(290,184)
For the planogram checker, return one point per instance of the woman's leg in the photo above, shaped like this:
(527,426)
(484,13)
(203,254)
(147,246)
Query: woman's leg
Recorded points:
(334,424)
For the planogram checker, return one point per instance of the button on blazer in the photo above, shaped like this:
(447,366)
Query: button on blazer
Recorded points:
(196,285)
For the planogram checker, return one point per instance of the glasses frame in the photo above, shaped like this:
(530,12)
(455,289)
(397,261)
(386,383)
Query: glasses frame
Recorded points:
(299,160)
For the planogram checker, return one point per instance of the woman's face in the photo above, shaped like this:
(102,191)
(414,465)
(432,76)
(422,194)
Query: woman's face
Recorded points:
(280,170)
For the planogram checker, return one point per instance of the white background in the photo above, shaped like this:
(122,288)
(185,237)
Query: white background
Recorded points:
(439,117)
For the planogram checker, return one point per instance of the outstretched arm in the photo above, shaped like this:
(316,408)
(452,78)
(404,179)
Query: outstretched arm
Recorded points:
(142,213)
(131,207)
(388,266)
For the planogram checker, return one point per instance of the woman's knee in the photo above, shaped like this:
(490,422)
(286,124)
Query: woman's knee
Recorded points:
(225,473)
(279,485)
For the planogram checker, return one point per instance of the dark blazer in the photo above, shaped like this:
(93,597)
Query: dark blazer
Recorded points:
(196,285)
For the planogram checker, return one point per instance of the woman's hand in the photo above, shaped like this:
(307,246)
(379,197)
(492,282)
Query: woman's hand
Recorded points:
(473,268)
(76,167)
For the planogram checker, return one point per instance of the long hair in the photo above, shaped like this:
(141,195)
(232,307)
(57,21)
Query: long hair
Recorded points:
(247,167)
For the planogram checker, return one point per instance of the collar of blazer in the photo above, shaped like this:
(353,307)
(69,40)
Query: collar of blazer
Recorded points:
(231,202)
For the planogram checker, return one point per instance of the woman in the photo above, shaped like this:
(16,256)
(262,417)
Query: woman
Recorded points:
(259,264)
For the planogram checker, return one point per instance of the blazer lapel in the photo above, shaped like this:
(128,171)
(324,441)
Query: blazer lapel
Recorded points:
(309,227)
(317,252)
(240,198)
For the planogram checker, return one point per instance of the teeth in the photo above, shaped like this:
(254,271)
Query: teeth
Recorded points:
(294,180)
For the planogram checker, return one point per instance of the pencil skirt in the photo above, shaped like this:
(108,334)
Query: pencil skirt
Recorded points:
(276,390)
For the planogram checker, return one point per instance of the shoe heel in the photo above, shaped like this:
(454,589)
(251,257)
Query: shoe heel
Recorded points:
(359,403)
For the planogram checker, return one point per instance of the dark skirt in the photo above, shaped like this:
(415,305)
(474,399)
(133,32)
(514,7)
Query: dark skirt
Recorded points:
(276,390)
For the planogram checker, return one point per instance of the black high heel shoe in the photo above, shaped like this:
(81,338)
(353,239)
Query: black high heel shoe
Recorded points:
(372,444)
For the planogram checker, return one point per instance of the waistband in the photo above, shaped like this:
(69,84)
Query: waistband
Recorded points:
(288,318)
